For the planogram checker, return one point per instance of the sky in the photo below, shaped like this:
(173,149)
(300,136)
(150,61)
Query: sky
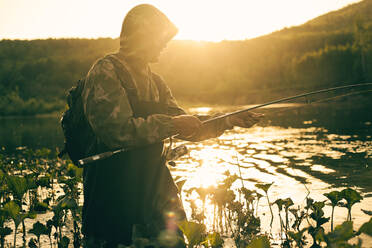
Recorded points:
(211,20)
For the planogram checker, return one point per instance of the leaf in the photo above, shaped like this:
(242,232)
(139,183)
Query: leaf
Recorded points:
(64,242)
(367,212)
(202,192)
(44,152)
(17,186)
(12,209)
(334,197)
(5,231)
(264,187)
(318,213)
(2,175)
(309,202)
(260,242)
(74,171)
(297,236)
(249,195)
(3,216)
(32,243)
(14,212)
(229,181)
(288,202)
(279,203)
(341,234)
(180,184)
(215,240)
(65,203)
(366,228)
(322,220)
(194,232)
(351,196)
(41,207)
(43,181)
(38,229)
(316,206)
(259,196)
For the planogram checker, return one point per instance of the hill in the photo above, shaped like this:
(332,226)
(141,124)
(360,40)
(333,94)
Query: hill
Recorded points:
(343,19)
(333,49)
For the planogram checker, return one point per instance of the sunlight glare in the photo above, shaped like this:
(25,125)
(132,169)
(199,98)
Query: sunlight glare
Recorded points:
(200,110)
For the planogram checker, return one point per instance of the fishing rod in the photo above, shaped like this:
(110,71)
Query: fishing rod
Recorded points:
(286,99)
(104,155)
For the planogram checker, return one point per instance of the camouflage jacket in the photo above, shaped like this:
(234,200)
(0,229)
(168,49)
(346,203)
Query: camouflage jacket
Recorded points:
(108,110)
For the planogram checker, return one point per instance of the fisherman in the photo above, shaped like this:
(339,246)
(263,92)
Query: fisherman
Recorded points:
(132,194)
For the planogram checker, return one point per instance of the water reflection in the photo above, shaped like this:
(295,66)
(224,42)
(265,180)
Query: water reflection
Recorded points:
(299,161)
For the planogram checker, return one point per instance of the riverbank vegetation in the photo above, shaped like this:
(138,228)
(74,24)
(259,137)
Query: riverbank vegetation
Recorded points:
(331,50)
(33,183)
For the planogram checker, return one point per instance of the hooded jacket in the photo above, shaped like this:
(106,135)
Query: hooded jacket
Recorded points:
(106,104)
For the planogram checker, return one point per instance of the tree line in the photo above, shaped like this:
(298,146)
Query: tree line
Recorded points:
(35,75)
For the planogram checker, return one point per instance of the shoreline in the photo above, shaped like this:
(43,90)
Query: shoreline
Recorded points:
(205,107)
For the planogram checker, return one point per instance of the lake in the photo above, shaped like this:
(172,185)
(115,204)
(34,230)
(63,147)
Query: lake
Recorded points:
(301,149)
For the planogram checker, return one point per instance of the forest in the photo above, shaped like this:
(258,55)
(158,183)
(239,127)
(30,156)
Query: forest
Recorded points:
(330,50)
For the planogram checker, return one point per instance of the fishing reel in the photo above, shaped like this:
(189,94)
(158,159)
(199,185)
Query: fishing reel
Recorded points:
(176,153)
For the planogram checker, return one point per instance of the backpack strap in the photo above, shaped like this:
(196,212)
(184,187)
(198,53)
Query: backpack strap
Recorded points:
(126,80)
(160,85)
(128,83)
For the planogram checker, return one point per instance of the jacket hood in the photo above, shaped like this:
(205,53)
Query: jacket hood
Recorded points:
(145,27)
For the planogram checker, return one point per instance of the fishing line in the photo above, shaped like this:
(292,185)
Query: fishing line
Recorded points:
(238,163)
(286,99)
(319,101)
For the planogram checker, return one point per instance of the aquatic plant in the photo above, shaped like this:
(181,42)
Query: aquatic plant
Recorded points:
(15,213)
(194,232)
(334,197)
(4,231)
(318,216)
(39,229)
(286,203)
(42,183)
(351,196)
(265,188)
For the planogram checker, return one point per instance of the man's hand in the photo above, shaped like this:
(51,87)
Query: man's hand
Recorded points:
(186,125)
(245,119)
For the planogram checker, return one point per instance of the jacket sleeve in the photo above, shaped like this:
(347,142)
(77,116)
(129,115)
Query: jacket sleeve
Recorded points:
(210,130)
(110,115)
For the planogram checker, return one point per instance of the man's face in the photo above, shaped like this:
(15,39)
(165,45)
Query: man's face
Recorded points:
(155,51)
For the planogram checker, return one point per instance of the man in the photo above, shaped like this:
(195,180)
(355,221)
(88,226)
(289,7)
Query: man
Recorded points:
(126,105)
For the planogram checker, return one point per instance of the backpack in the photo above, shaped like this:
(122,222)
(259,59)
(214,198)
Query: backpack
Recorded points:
(80,140)
(79,136)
